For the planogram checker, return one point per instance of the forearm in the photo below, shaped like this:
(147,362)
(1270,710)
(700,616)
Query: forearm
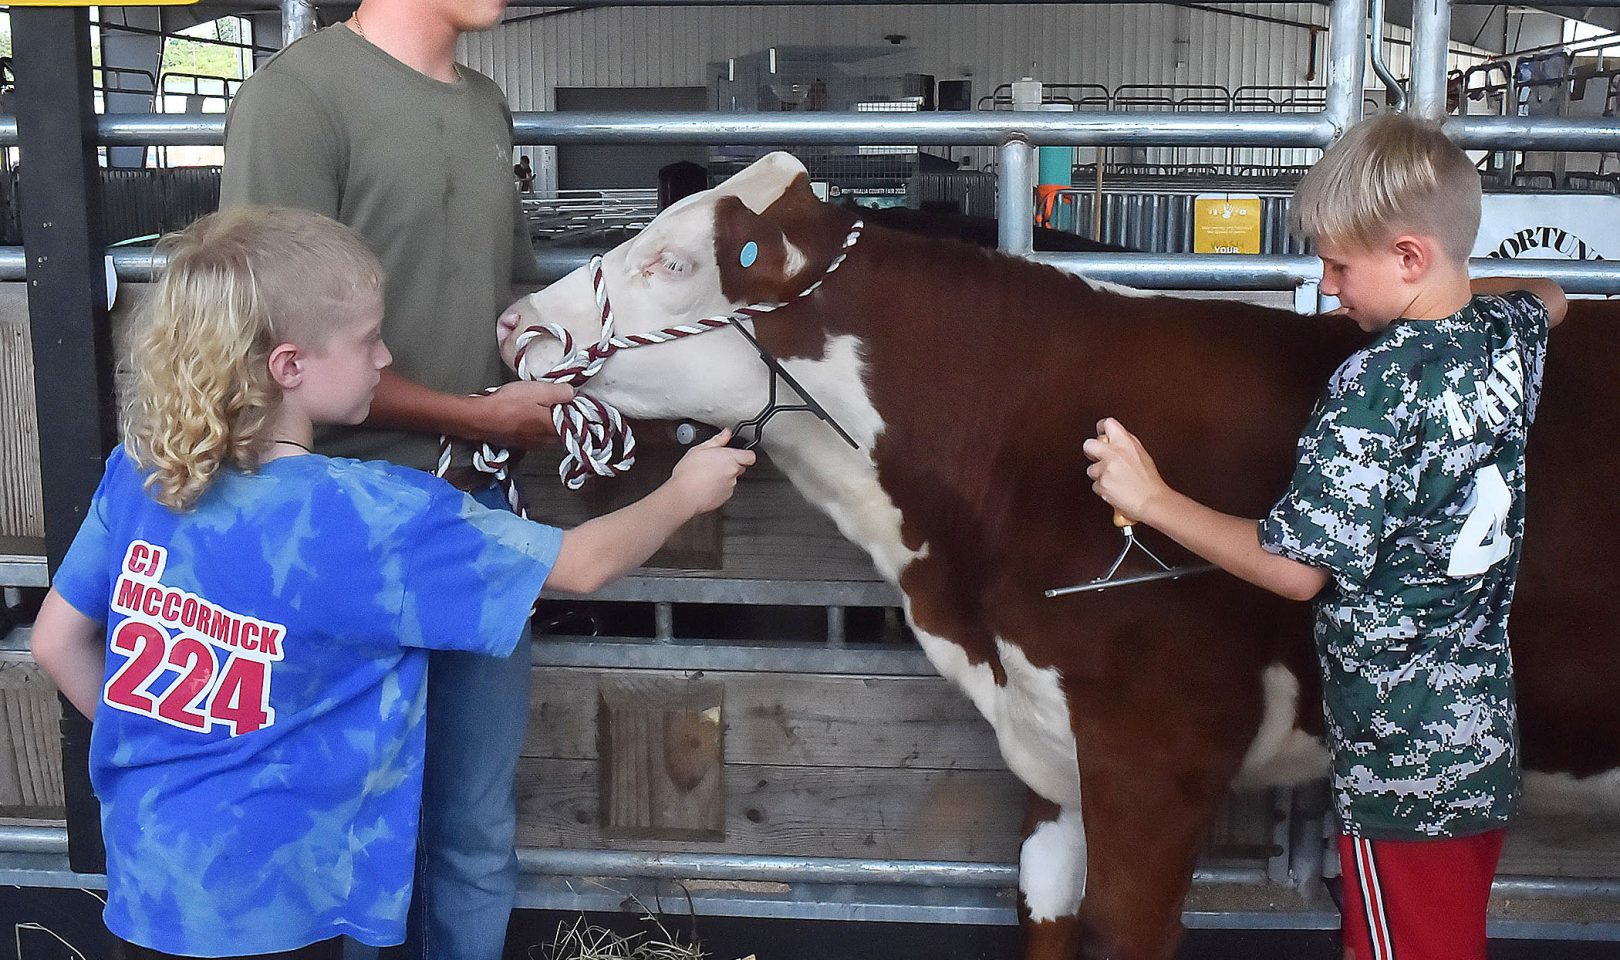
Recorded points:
(599,551)
(402,404)
(1231,543)
(1547,291)
(1497,286)
(70,648)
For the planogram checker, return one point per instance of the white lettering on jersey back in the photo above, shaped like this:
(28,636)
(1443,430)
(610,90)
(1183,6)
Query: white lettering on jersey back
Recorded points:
(1493,399)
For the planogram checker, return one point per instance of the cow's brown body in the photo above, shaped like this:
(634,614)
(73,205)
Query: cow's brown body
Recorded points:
(987,372)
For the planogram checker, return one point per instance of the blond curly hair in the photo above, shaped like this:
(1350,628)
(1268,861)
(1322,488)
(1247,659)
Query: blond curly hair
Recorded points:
(238,284)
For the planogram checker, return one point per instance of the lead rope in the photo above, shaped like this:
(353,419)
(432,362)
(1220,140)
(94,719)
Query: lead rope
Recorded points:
(596,439)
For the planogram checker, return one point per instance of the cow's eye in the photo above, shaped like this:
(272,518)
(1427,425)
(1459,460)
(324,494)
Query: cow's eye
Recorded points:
(673,265)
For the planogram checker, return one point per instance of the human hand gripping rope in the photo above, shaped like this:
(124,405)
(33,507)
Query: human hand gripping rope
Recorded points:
(596,439)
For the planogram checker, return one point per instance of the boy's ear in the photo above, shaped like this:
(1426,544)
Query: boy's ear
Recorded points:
(283,364)
(1417,254)
(758,264)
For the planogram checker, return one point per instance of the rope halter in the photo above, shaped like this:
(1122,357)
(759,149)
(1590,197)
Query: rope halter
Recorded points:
(596,439)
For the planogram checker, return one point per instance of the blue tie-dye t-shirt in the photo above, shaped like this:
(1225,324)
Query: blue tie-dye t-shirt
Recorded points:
(258,747)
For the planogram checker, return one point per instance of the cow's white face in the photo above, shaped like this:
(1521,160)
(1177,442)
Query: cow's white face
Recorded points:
(671,273)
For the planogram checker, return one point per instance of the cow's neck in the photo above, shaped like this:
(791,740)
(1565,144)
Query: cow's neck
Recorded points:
(837,479)
(843,484)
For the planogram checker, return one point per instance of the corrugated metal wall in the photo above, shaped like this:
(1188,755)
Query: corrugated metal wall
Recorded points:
(991,43)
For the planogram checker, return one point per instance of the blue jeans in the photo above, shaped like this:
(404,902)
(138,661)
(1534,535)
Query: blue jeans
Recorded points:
(466,876)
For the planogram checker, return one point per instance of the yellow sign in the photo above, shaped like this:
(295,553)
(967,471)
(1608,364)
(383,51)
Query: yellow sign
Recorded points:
(1226,223)
(100,3)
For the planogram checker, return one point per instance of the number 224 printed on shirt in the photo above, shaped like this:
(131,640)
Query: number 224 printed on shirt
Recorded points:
(174,635)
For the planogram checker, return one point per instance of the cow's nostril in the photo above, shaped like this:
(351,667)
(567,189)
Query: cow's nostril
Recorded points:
(509,323)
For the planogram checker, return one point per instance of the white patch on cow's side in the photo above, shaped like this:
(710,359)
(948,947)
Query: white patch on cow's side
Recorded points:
(1561,794)
(974,679)
(840,481)
(1052,868)
(1031,713)
(1033,728)
(1281,754)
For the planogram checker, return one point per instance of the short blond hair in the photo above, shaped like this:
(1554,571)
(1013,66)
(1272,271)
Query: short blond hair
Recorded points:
(1390,175)
(238,284)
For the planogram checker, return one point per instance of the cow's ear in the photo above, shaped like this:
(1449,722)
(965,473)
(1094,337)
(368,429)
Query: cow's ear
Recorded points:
(758,264)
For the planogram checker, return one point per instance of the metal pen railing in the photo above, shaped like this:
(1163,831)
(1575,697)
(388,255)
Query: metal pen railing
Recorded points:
(1016,134)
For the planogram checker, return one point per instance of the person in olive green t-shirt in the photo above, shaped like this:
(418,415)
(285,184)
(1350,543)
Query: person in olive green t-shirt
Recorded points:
(373,123)
(1402,524)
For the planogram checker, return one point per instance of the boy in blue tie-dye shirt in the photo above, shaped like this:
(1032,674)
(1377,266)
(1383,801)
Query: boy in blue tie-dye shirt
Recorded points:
(247,622)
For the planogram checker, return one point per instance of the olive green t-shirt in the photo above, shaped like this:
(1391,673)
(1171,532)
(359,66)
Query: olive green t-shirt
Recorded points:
(422,169)
(1410,492)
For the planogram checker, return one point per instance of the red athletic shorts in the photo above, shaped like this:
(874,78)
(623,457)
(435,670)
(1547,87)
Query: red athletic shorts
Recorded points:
(1417,899)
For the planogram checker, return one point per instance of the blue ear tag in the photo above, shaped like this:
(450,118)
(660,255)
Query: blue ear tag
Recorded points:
(750,253)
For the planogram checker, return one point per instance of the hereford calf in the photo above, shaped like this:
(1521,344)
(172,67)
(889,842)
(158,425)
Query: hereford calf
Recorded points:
(969,380)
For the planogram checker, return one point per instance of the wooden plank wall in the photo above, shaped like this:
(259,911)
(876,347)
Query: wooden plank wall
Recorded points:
(826,765)
(22,514)
(30,751)
(815,765)
(768,531)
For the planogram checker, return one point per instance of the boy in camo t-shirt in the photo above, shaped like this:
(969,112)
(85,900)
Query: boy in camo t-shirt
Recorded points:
(1403,523)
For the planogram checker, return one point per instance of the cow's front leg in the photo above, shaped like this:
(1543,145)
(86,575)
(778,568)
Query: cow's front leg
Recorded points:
(1051,879)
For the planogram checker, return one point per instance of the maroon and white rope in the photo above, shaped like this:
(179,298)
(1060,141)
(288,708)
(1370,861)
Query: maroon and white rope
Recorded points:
(596,439)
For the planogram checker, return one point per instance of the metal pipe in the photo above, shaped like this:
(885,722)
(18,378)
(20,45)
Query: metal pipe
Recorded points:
(713,866)
(981,129)
(1379,27)
(1599,42)
(930,873)
(1347,29)
(22,838)
(208,41)
(1575,276)
(990,128)
(297,20)
(1188,271)
(874,129)
(1164,271)
(1015,197)
(1535,133)
(1595,888)
(1431,37)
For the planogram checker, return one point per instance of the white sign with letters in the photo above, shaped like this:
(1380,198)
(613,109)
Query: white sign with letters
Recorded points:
(1549,226)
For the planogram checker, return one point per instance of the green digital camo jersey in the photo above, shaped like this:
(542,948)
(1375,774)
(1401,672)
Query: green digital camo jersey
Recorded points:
(1410,492)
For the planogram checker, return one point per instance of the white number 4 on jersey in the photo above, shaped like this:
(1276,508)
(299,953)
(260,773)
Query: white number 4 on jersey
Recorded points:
(1482,541)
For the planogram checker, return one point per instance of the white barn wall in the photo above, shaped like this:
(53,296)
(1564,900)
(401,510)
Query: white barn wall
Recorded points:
(1108,44)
